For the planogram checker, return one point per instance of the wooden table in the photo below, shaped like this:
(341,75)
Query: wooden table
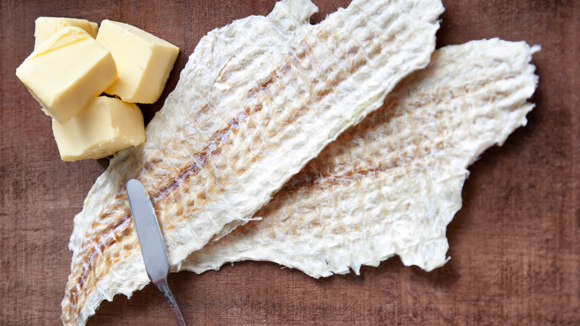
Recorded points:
(515,244)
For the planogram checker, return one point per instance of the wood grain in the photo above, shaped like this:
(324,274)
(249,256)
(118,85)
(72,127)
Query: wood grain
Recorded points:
(515,244)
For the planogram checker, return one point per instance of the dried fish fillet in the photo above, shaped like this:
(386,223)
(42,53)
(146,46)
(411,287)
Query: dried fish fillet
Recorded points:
(257,100)
(390,185)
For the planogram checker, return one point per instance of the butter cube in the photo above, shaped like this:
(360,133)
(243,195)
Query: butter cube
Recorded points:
(104,127)
(45,27)
(67,71)
(143,60)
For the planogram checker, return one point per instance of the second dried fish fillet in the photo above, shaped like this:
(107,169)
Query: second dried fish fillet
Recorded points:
(391,184)
(256,101)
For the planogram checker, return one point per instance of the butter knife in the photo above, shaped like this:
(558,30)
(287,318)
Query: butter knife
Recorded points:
(151,242)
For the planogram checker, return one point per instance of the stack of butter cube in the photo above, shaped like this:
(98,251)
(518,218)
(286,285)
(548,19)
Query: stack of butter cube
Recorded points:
(74,62)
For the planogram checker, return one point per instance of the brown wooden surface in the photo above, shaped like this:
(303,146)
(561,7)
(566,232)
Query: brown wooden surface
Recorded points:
(515,244)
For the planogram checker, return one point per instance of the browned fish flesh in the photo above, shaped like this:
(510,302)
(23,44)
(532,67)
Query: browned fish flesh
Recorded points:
(256,101)
(390,185)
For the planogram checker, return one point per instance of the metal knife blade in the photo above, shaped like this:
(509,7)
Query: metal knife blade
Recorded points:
(151,242)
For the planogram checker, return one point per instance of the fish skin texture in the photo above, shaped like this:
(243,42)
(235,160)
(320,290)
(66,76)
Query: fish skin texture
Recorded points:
(391,185)
(256,101)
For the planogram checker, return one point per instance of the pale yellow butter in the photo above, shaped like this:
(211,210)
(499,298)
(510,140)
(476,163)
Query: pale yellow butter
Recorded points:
(143,60)
(104,127)
(67,71)
(45,27)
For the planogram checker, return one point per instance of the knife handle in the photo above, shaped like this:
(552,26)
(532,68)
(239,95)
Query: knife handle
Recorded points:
(164,288)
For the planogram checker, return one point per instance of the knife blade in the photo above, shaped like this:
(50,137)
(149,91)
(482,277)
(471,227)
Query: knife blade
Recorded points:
(151,242)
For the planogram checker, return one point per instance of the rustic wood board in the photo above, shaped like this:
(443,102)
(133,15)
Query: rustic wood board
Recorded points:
(515,244)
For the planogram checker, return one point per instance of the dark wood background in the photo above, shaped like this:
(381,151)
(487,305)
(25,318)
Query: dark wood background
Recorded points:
(515,244)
